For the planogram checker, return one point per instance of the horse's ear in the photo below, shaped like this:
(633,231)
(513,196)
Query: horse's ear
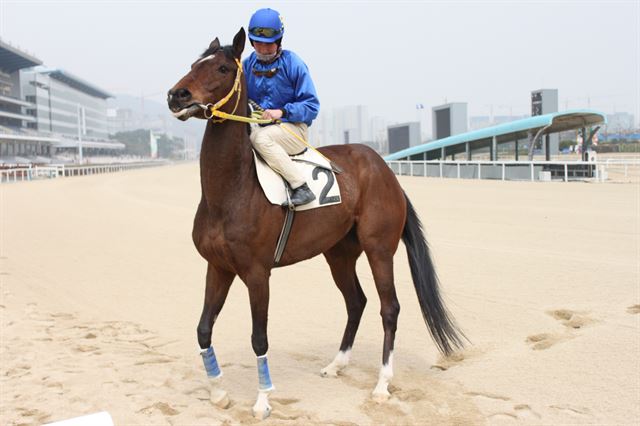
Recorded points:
(215,44)
(238,43)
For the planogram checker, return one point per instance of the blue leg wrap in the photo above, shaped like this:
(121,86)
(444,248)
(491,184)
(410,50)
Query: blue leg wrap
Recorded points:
(264,378)
(211,363)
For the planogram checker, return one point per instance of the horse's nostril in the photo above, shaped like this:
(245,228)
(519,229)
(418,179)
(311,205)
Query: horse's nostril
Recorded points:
(182,94)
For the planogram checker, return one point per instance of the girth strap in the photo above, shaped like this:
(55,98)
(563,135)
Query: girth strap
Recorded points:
(284,234)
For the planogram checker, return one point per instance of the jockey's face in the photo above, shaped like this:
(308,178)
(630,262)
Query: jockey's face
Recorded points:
(265,49)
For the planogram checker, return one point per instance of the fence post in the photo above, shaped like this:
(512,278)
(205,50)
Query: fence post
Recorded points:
(479,170)
(458,170)
(566,172)
(441,174)
(503,170)
(532,179)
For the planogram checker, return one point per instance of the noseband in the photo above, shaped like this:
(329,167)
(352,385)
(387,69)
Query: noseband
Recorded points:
(213,109)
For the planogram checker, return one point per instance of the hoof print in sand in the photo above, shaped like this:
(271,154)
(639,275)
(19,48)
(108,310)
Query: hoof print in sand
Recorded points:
(545,340)
(446,362)
(163,407)
(456,358)
(499,406)
(572,320)
(573,410)
(634,309)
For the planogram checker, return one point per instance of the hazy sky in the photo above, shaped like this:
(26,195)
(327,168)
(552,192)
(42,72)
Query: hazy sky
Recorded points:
(387,55)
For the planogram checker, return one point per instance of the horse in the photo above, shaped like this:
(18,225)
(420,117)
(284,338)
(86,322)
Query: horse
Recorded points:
(236,228)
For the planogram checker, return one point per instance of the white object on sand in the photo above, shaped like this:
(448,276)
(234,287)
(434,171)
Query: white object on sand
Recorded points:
(96,419)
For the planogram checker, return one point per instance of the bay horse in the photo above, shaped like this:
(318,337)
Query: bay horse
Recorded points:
(236,228)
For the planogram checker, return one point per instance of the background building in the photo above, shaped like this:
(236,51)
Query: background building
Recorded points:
(403,136)
(65,104)
(620,122)
(46,112)
(545,101)
(351,124)
(16,140)
(449,119)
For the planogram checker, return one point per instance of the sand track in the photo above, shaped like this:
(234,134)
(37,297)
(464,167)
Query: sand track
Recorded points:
(101,290)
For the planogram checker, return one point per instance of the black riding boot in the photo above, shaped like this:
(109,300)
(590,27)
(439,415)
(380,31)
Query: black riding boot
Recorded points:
(302,195)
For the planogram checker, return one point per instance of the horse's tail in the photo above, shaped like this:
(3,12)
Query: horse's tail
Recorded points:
(442,327)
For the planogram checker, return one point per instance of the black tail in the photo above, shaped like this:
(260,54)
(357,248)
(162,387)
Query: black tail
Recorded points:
(442,327)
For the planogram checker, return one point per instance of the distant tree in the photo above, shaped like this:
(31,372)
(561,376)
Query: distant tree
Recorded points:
(170,147)
(136,142)
(630,147)
(607,147)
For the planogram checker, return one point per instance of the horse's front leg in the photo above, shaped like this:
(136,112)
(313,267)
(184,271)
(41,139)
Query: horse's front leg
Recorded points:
(258,285)
(217,288)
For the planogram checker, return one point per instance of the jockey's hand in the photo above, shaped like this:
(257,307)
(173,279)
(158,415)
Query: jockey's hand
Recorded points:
(272,114)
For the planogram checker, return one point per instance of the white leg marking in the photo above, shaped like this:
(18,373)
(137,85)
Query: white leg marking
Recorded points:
(339,362)
(261,408)
(380,393)
(217,395)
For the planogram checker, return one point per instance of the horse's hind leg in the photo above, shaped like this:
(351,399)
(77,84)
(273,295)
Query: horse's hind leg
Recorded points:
(342,261)
(217,288)
(379,232)
(382,267)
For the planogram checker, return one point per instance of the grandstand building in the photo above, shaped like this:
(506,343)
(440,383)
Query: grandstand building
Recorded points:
(48,112)
(15,139)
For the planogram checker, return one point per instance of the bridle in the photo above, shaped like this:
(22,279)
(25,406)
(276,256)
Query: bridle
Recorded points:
(214,109)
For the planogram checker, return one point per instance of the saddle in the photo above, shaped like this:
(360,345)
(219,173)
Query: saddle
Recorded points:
(316,170)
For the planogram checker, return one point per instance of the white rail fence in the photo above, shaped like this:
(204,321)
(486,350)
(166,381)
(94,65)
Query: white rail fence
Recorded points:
(20,174)
(600,171)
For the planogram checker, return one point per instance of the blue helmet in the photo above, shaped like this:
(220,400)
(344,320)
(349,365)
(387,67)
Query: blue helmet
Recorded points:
(266,26)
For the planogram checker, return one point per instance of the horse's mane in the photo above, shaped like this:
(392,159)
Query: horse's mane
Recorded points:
(228,51)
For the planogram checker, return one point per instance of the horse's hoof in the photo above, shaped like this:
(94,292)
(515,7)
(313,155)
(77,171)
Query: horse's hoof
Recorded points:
(261,414)
(380,396)
(220,399)
(329,372)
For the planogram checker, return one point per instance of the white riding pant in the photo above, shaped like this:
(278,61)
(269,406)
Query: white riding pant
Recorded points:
(275,145)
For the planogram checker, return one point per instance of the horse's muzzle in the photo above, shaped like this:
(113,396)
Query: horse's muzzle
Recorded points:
(181,104)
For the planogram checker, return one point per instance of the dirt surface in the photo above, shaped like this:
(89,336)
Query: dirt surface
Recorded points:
(102,290)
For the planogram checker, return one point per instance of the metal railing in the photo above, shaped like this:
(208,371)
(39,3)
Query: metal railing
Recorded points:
(20,174)
(519,170)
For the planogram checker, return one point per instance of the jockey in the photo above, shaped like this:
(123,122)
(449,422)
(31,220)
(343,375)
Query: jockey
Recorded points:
(279,81)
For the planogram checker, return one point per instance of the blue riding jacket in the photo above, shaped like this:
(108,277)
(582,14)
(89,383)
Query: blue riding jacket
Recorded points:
(290,88)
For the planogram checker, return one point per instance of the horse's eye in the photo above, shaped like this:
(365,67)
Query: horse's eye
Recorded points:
(223,69)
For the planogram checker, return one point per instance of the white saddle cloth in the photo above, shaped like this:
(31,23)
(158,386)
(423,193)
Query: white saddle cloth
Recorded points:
(315,169)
